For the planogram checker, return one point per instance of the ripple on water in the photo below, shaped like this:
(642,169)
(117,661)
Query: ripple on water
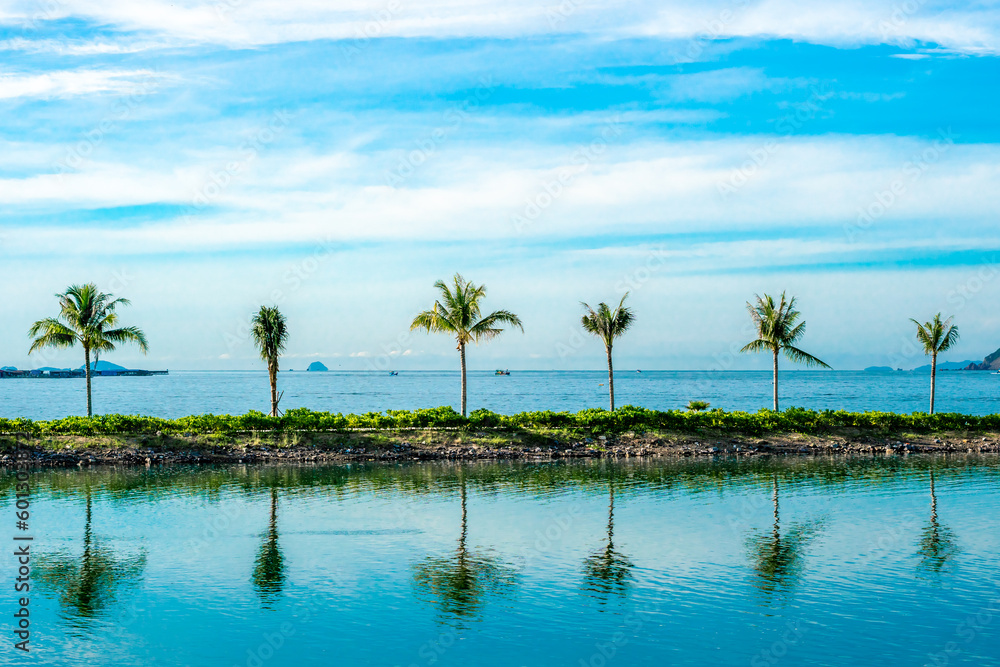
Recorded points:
(827,561)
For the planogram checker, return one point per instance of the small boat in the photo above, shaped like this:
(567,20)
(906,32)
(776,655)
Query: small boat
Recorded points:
(500,372)
(392,373)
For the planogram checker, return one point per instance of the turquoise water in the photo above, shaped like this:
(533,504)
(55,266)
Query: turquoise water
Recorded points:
(220,392)
(800,562)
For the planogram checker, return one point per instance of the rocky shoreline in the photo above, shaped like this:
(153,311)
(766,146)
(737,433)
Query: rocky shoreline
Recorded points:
(67,451)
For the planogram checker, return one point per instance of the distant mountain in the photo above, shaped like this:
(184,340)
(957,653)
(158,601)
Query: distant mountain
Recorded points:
(317,366)
(104,366)
(990,363)
(878,369)
(946,366)
(8,368)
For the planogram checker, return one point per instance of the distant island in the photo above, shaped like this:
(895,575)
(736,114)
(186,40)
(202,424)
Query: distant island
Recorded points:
(990,363)
(966,365)
(97,369)
(946,366)
(317,366)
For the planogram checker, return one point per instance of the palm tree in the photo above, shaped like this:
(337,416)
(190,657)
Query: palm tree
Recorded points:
(608,571)
(778,332)
(88,585)
(937,543)
(936,337)
(457,312)
(86,316)
(777,558)
(269,570)
(270,333)
(460,583)
(608,325)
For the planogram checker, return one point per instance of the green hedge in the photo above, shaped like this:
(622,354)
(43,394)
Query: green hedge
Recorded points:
(596,421)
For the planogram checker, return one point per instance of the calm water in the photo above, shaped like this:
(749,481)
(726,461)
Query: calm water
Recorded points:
(658,563)
(183,393)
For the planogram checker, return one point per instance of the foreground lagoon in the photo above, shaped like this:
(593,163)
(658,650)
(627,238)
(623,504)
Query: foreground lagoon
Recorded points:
(760,562)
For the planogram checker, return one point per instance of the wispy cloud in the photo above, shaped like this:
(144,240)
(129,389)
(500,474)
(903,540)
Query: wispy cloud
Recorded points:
(70,83)
(971,28)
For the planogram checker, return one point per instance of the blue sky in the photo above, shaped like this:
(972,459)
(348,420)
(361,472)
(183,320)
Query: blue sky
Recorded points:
(204,158)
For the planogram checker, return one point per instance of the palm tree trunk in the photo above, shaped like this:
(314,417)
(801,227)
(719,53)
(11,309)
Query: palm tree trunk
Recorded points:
(86,366)
(461,351)
(465,516)
(775,380)
(611,511)
(933,379)
(272,373)
(611,379)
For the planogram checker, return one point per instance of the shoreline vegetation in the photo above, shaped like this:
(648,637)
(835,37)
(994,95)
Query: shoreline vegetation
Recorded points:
(305,436)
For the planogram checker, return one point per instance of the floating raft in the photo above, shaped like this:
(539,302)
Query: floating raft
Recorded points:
(76,373)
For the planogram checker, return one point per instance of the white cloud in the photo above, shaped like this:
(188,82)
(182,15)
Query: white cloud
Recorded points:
(972,28)
(639,188)
(70,83)
(79,47)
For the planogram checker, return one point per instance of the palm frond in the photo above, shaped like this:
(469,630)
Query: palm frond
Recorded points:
(950,338)
(50,332)
(269,330)
(778,328)
(487,329)
(130,335)
(458,312)
(936,336)
(759,345)
(798,356)
(605,323)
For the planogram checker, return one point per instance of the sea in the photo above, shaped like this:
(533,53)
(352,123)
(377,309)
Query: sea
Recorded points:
(235,392)
(777,562)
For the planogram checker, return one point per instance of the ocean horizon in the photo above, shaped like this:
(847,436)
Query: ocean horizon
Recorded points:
(184,393)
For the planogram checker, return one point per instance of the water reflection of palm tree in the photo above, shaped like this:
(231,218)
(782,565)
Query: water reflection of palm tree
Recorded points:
(937,543)
(460,582)
(608,572)
(269,571)
(777,557)
(88,585)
